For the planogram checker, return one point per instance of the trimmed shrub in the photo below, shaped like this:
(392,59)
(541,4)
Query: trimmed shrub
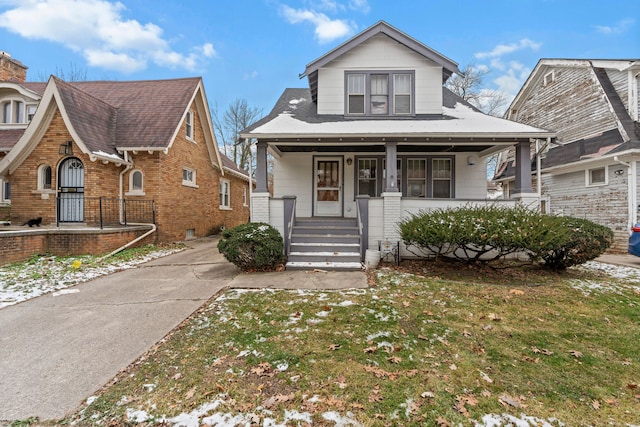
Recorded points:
(254,246)
(489,232)
(473,233)
(576,242)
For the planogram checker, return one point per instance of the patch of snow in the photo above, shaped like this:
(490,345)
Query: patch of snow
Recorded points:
(493,420)
(65,292)
(340,420)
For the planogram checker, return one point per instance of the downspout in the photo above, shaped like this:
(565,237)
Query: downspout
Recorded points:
(632,185)
(121,196)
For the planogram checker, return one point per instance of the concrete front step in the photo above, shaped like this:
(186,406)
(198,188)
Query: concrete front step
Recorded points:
(324,256)
(322,229)
(323,246)
(333,266)
(325,238)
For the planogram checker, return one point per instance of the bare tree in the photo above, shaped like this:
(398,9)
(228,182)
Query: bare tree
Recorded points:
(74,74)
(238,116)
(468,86)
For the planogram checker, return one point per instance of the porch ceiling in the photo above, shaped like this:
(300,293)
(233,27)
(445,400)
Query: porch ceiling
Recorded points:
(426,145)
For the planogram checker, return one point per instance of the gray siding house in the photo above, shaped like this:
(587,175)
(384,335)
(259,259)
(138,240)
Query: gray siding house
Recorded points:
(592,171)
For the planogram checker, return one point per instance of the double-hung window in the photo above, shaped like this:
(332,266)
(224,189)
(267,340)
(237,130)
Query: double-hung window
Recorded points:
(379,93)
(225,196)
(189,125)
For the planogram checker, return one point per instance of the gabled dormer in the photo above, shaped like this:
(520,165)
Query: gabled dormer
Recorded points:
(18,103)
(380,73)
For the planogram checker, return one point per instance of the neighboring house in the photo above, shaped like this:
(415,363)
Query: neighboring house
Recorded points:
(593,107)
(374,138)
(71,152)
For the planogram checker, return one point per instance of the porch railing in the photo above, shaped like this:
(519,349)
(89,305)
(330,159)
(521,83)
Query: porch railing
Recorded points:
(362,208)
(289,221)
(104,211)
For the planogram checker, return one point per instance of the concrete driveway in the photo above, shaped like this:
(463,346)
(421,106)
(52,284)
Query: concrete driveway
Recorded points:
(55,351)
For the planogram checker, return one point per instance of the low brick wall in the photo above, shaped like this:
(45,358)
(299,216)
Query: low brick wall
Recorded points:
(22,244)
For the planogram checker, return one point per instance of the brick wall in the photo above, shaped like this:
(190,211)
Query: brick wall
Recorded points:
(18,246)
(12,69)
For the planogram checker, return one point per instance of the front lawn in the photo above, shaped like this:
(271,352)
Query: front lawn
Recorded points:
(425,345)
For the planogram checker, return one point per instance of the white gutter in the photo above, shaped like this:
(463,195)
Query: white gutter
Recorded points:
(632,200)
(121,196)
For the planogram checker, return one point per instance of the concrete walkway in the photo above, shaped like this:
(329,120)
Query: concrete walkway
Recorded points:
(57,351)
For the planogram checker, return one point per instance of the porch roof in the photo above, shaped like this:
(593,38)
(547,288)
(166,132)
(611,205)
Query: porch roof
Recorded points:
(294,122)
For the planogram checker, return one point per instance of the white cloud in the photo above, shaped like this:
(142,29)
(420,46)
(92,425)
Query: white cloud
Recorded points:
(97,29)
(360,5)
(503,49)
(326,29)
(620,27)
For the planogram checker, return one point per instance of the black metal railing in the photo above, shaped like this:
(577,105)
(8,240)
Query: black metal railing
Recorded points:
(104,211)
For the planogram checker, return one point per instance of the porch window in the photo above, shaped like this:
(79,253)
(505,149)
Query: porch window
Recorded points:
(367,177)
(416,178)
(225,188)
(441,178)
(355,93)
(375,93)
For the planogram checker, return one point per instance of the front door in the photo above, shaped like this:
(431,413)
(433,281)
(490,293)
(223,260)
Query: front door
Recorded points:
(71,190)
(328,186)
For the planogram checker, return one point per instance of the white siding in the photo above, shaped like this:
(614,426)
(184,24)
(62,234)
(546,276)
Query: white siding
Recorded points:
(605,205)
(293,176)
(381,53)
(471,181)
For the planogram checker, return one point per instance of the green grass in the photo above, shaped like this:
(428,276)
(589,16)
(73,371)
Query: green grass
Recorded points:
(411,350)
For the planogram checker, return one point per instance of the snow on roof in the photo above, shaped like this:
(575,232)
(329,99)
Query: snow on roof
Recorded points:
(460,120)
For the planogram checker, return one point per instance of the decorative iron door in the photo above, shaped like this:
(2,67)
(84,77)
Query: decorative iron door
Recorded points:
(71,190)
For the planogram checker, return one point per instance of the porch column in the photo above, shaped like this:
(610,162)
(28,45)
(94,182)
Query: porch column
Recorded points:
(392,212)
(524,191)
(261,168)
(260,208)
(391,148)
(523,168)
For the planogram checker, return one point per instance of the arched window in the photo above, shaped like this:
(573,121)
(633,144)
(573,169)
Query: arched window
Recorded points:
(44,177)
(136,182)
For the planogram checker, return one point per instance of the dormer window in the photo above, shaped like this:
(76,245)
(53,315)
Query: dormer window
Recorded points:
(13,111)
(378,93)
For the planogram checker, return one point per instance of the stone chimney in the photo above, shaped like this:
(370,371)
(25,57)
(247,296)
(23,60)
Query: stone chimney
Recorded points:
(12,69)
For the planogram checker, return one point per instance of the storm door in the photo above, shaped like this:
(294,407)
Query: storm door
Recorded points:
(71,190)
(328,186)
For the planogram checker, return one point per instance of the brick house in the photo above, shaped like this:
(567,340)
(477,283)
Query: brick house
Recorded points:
(592,171)
(136,151)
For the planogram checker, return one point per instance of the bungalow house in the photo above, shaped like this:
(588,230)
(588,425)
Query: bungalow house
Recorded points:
(114,153)
(373,138)
(592,172)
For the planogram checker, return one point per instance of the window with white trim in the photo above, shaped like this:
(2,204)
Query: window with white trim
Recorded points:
(244,196)
(31,111)
(548,78)
(136,183)
(596,176)
(189,177)
(13,111)
(379,93)
(225,194)
(5,191)
(44,177)
(189,125)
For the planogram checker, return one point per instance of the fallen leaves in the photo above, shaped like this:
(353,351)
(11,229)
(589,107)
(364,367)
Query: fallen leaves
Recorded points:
(575,353)
(462,401)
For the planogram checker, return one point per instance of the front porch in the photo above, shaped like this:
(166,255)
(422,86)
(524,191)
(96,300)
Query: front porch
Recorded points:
(376,220)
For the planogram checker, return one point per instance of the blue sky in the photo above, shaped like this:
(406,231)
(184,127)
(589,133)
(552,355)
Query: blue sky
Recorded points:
(255,49)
